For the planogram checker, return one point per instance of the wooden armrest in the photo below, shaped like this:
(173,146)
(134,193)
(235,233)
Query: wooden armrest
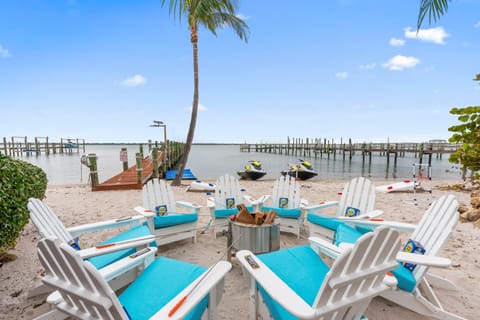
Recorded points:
(189,205)
(424,260)
(207,283)
(325,247)
(147,213)
(400,226)
(210,202)
(121,266)
(116,246)
(263,198)
(333,251)
(303,204)
(249,199)
(114,223)
(366,216)
(322,205)
(260,201)
(276,288)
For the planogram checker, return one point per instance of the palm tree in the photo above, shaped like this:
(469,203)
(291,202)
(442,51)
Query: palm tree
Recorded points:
(434,8)
(212,14)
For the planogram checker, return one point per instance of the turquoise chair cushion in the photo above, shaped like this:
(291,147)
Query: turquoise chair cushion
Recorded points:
(346,233)
(404,277)
(159,284)
(173,219)
(301,269)
(225,213)
(363,229)
(284,212)
(324,221)
(106,259)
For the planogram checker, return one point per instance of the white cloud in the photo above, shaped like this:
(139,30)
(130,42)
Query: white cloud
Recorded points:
(4,52)
(399,62)
(201,108)
(477,25)
(135,81)
(397,42)
(242,16)
(341,75)
(368,66)
(436,35)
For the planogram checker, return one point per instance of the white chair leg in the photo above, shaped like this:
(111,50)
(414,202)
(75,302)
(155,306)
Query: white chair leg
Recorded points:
(39,290)
(417,303)
(440,282)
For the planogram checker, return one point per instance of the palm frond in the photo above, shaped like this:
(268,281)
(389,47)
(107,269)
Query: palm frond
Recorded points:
(221,20)
(434,8)
(213,14)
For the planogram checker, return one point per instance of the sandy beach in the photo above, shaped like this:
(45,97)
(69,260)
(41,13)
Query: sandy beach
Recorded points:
(76,204)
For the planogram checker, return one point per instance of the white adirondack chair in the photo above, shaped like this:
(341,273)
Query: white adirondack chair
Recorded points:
(169,224)
(228,195)
(415,288)
(105,253)
(359,194)
(296,282)
(167,289)
(286,201)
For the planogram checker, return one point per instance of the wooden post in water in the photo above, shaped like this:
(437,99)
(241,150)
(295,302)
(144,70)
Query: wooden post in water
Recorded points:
(5,145)
(92,159)
(420,153)
(155,162)
(396,155)
(333,149)
(388,155)
(363,152)
(37,147)
(47,148)
(139,158)
(350,148)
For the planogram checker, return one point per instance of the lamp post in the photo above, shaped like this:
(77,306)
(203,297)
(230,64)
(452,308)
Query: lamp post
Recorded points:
(161,124)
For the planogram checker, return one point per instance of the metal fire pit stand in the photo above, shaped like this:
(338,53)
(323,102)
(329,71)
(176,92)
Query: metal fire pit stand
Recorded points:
(256,238)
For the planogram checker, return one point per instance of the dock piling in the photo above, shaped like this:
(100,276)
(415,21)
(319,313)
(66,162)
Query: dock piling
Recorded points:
(139,158)
(92,159)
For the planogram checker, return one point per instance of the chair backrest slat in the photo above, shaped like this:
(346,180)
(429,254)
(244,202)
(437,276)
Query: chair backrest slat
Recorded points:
(357,275)
(435,228)
(226,187)
(156,193)
(286,187)
(85,293)
(46,221)
(358,193)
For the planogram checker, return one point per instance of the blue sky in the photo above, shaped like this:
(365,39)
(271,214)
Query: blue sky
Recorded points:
(103,70)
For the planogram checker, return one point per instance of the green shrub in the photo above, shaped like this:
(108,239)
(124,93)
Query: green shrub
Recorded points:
(19,180)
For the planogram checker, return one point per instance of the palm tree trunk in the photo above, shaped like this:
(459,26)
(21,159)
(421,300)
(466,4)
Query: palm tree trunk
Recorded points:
(193,119)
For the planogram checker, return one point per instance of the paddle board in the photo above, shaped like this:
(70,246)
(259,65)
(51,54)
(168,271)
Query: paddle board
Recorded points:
(405,185)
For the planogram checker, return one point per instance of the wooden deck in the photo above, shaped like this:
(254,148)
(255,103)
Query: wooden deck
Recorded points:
(127,180)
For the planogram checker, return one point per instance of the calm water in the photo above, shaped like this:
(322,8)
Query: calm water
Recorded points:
(208,162)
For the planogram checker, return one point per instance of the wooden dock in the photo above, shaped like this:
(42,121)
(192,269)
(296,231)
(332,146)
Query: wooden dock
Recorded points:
(329,148)
(20,146)
(127,180)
